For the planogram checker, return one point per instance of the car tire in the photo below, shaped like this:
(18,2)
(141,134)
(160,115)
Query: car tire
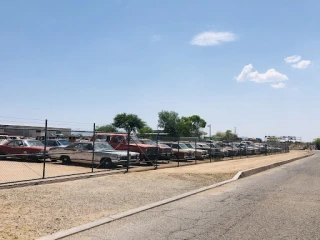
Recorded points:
(65,159)
(106,163)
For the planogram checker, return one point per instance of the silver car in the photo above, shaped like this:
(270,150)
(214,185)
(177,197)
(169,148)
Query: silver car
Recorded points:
(81,152)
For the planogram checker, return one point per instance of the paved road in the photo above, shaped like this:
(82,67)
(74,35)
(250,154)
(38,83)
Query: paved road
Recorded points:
(282,203)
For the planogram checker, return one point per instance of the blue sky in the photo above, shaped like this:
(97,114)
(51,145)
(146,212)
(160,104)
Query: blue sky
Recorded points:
(86,61)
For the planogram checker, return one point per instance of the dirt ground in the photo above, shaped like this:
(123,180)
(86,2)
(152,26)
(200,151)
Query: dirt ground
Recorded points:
(30,212)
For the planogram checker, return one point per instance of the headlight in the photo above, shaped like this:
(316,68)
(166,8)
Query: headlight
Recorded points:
(118,157)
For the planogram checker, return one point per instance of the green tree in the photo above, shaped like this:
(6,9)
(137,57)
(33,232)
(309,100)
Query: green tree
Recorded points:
(273,139)
(184,127)
(129,122)
(196,124)
(168,120)
(317,143)
(225,136)
(146,129)
(107,128)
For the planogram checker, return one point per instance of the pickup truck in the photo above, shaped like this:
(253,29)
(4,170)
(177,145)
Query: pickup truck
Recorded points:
(119,141)
(165,152)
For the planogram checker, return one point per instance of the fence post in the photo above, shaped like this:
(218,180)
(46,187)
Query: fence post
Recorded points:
(233,152)
(195,153)
(266,149)
(210,151)
(45,149)
(128,149)
(178,151)
(93,147)
(157,151)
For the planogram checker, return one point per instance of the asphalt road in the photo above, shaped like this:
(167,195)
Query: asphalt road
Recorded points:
(282,203)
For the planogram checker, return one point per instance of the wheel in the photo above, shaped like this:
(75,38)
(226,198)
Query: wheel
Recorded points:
(106,163)
(2,156)
(65,159)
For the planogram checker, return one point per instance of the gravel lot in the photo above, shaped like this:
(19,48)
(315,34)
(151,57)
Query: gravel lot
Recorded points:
(30,212)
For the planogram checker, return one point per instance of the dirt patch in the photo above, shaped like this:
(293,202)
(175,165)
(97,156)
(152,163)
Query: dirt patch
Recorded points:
(31,212)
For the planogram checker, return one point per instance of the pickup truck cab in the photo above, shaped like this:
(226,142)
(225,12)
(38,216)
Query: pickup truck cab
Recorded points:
(119,141)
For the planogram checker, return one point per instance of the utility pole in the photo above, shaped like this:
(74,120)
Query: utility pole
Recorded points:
(235,130)
(209,126)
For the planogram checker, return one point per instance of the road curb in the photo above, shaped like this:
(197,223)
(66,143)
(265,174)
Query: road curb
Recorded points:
(71,231)
(242,174)
(253,171)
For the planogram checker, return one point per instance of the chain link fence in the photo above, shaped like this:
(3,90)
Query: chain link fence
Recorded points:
(31,153)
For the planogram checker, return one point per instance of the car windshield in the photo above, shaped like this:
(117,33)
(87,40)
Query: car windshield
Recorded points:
(134,139)
(183,146)
(203,146)
(164,145)
(150,142)
(103,146)
(64,142)
(191,145)
(34,143)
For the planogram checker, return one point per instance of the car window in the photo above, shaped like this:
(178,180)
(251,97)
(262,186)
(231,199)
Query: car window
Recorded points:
(87,146)
(50,143)
(79,147)
(13,143)
(117,139)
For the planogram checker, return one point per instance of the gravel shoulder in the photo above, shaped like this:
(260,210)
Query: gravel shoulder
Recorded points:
(30,212)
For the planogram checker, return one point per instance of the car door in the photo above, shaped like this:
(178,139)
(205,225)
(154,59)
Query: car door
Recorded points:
(87,150)
(10,148)
(76,154)
(19,148)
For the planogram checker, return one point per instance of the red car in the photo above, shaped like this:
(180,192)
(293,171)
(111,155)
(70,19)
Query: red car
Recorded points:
(22,148)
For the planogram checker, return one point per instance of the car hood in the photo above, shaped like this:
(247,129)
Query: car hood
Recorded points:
(122,152)
(143,145)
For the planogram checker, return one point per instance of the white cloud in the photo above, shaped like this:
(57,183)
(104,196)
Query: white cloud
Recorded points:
(156,38)
(278,85)
(269,76)
(293,59)
(302,64)
(212,38)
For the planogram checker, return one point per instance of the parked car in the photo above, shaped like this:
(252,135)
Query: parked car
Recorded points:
(58,143)
(213,150)
(15,137)
(3,139)
(231,149)
(181,151)
(104,154)
(200,154)
(23,149)
(119,141)
(251,148)
(165,152)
